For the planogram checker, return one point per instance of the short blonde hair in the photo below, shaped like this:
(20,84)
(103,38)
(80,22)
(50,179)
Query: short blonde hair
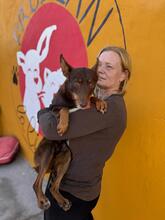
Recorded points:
(124,57)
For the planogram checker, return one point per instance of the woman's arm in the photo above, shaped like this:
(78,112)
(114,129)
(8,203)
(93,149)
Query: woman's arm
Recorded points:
(81,122)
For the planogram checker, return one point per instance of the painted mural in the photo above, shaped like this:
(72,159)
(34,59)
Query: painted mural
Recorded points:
(50,29)
(33,33)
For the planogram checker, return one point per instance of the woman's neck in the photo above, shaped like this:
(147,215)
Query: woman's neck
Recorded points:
(104,93)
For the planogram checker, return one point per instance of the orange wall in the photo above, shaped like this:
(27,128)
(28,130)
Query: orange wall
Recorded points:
(133,183)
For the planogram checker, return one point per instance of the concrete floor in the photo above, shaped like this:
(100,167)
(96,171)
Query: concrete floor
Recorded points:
(17,199)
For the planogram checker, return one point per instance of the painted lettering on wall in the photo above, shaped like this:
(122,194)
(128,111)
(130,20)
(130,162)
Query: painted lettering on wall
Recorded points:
(34,5)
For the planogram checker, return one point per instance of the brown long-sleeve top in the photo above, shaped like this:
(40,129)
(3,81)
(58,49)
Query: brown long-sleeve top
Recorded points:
(92,139)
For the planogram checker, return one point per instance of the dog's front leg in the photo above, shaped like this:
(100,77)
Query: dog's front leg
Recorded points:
(100,104)
(63,121)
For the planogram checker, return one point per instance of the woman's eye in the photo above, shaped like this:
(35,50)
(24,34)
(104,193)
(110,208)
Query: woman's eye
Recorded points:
(109,67)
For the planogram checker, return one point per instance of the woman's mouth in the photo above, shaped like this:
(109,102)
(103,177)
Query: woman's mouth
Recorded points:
(101,78)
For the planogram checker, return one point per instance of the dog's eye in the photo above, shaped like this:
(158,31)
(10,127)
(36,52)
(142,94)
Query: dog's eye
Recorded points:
(77,84)
(90,83)
(79,81)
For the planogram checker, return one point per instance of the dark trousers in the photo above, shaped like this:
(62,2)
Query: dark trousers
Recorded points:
(80,209)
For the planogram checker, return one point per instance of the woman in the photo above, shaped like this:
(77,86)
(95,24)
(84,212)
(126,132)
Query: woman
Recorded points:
(92,138)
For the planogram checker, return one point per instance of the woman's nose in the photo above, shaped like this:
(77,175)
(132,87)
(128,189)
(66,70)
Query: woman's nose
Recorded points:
(100,71)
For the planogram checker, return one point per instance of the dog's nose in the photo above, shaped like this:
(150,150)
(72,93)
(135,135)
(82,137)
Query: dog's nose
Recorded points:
(83,105)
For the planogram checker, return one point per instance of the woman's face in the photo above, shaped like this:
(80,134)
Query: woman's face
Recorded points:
(110,73)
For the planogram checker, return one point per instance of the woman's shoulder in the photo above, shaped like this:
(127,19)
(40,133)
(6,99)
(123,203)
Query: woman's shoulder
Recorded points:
(116,98)
(116,101)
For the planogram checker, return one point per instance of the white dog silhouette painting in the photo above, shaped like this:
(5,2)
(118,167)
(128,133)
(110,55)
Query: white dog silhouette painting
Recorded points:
(52,82)
(30,63)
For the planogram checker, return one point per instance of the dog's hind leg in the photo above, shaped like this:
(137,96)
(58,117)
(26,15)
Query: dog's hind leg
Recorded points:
(62,162)
(43,167)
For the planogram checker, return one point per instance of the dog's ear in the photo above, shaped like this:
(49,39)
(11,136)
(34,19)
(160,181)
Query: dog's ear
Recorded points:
(94,68)
(66,68)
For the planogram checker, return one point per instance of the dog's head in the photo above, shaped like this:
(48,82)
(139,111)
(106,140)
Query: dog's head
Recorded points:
(80,82)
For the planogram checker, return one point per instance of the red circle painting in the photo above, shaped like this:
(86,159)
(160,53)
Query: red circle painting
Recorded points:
(51,31)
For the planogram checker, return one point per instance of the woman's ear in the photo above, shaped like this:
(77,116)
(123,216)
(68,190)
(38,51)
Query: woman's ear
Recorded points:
(66,68)
(124,75)
(123,80)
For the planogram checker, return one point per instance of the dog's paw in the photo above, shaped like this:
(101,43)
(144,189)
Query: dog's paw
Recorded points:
(44,204)
(61,128)
(101,106)
(66,205)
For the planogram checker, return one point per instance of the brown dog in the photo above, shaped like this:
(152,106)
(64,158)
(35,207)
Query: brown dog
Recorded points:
(55,156)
